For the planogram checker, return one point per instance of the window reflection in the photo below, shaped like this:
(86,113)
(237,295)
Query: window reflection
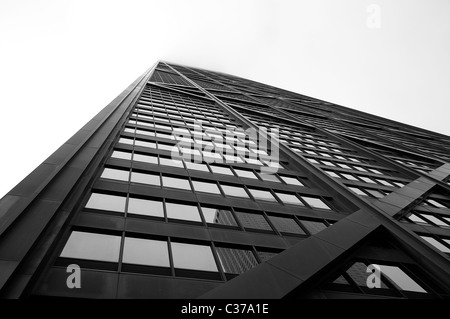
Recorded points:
(245,173)
(286,225)
(145,178)
(116,174)
(313,227)
(176,182)
(400,278)
(291,180)
(289,199)
(145,144)
(145,207)
(253,221)
(121,155)
(196,166)
(184,212)
(221,170)
(206,187)
(234,191)
(90,246)
(262,195)
(106,202)
(265,255)
(315,202)
(436,244)
(236,261)
(145,158)
(218,216)
(146,252)
(170,162)
(189,256)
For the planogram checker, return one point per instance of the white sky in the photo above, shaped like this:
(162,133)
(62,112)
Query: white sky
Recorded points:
(62,61)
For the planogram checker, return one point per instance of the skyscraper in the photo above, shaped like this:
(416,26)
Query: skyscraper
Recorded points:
(199,184)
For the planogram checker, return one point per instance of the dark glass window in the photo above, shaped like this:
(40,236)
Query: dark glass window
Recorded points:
(265,255)
(313,227)
(236,261)
(286,225)
(253,221)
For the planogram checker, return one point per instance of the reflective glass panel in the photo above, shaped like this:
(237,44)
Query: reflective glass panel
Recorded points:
(221,170)
(289,199)
(106,202)
(196,166)
(236,261)
(436,244)
(91,246)
(291,180)
(315,202)
(313,227)
(206,187)
(234,191)
(176,183)
(253,221)
(116,174)
(146,252)
(122,155)
(269,178)
(145,207)
(218,216)
(189,256)
(145,144)
(171,162)
(145,178)
(400,278)
(245,173)
(286,225)
(145,158)
(184,212)
(262,195)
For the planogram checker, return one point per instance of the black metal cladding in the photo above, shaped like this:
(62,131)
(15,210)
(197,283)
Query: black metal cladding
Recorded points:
(351,189)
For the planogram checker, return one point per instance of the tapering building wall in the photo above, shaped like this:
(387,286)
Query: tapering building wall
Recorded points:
(198,184)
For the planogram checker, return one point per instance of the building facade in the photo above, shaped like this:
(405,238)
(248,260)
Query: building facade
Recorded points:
(198,184)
